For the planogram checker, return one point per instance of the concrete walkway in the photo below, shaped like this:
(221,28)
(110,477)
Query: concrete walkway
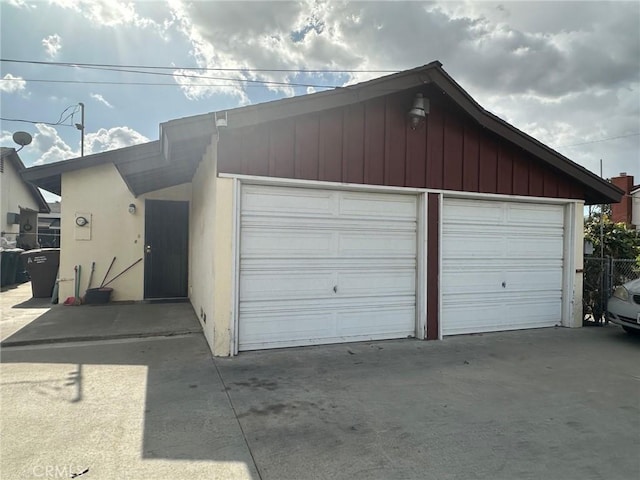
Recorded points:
(30,321)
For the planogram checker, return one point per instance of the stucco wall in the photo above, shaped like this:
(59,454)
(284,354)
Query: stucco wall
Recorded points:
(201,243)
(100,194)
(223,262)
(14,195)
(211,253)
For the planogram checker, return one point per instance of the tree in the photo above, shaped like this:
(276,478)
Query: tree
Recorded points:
(619,241)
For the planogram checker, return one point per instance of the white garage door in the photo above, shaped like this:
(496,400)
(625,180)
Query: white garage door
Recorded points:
(324,266)
(502,266)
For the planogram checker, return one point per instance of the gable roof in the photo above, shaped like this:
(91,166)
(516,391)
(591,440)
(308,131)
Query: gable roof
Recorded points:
(11,155)
(184,141)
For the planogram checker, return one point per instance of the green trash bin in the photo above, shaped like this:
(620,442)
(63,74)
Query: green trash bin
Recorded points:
(42,266)
(9,260)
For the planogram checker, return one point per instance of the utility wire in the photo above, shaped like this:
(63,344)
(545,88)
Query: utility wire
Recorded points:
(197,77)
(60,121)
(601,140)
(217,69)
(105,82)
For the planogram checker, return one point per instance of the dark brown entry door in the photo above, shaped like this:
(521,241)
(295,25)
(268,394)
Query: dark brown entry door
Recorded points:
(166,249)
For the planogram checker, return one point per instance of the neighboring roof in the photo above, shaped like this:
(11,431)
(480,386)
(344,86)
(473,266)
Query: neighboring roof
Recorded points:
(184,141)
(635,189)
(10,155)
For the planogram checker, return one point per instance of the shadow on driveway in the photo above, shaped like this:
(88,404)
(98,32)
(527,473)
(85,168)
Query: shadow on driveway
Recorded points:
(111,405)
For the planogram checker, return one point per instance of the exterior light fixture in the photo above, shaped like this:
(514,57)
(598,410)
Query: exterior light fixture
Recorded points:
(418,112)
(132,208)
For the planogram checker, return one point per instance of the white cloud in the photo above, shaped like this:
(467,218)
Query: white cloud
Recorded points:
(20,4)
(99,98)
(49,144)
(52,45)
(112,138)
(108,13)
(564,72)
(52,148)
(12,84)
(6,139)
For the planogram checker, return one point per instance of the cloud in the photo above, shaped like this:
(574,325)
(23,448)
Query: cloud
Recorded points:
(565,72)
(108,13)
(48,143)
(52,148)
(20,4)
(12,84)
(52,45)
(99,98)
(112,138)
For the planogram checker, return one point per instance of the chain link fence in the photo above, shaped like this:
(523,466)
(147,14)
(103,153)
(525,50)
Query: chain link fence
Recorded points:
(601,277)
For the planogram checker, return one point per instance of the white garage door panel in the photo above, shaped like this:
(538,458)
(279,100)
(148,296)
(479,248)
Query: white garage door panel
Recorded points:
(313,328)
(332,266)
(486,244)
(521,283)
(287,201)
(257,243)
(500,316)
(282,285)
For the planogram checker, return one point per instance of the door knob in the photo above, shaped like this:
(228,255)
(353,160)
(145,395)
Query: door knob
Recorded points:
(147,249)
(504,284)
(335,289)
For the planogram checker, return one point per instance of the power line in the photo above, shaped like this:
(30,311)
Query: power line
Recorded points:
(601,140)
(105,82)
(218,69)
(198,77)
(60,121)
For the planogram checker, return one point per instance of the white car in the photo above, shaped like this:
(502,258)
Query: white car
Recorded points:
(624,306)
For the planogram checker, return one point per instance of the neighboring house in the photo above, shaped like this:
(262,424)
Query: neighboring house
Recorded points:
(49,226)
(337,217)
(20,202)
(628,210)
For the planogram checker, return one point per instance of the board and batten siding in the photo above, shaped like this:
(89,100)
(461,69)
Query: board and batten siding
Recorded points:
(371,143)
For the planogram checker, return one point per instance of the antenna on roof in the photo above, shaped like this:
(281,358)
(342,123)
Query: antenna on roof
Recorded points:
(22,138)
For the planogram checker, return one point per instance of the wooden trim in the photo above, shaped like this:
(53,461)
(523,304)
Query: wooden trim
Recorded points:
(433,265)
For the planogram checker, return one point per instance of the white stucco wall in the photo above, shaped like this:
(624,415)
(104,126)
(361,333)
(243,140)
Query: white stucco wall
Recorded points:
(201,226)
(14,195)
(100,194)
(211,253)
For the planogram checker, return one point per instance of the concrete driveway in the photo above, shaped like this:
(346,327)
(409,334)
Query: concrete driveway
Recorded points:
(540,404)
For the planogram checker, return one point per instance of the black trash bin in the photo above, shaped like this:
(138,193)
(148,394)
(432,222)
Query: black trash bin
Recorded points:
(9,261)
(42,266)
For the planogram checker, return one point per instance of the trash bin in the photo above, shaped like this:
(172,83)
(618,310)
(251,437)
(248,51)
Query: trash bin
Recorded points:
(9,260)
(42,266)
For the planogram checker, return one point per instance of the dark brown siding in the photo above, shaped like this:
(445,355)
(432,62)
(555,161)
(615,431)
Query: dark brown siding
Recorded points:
(433,269)
(372,143)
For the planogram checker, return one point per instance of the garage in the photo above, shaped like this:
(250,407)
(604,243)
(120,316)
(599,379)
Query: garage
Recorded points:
(324,266)
(502,265)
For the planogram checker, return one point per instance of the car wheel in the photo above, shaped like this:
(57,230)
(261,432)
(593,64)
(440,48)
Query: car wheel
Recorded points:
(631,331)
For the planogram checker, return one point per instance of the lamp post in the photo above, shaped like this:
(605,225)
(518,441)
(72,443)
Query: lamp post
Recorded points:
(80,126)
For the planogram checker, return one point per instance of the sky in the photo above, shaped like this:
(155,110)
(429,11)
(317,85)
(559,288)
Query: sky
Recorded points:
(566,73)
